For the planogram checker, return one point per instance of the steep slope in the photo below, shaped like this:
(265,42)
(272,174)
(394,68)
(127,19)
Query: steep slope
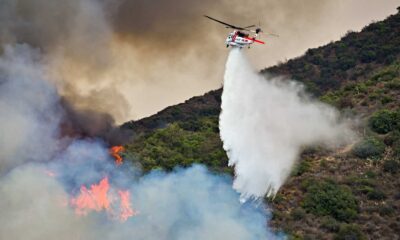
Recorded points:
(202,106)
(354,191)
(347,194)
(354,58)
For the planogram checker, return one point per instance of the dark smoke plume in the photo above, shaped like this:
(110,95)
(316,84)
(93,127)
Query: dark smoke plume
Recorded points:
(87,123)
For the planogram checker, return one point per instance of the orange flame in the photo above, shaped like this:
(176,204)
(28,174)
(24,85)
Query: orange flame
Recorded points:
(125,205)
(99,197)
(115,151)
(94,198)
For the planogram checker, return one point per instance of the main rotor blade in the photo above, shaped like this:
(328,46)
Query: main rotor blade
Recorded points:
(273,34)
(226,24)
(250,26)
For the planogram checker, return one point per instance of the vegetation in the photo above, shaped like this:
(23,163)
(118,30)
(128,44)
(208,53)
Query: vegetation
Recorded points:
(191,110)
(391,166)
(396,149)
(330,224)
(386,210)
(298,214)
(349,232)
(301,168)
(376,194)
(369,148)
(350,58)
(360,75)
(329,198)
(393,138)
(385,121)
(181,144)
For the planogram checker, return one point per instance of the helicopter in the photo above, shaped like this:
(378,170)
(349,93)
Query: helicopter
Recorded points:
(240,36)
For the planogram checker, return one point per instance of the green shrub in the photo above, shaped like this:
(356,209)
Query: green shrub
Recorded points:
(364,189)
(346,63)
(327,198)
(331,98)
(278,198)
(391,166)
(361,88)
(368,56)
(394,84)
(385,75)
(360,181)
(298,213)
(323,163)
(373,96)
(376,194)
(346,102)
(386,99)
(180,144)
(330,224)
(392,138)
(306,183)
(386,210)
(384,121)
(396,149)
(349,87)
(370,174)
(349,232)
(370,147)
(362,184)
(277,215)
(303,167)
(294,236)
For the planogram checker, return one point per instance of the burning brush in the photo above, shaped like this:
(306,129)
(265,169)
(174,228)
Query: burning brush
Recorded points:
(102,197)
(115,152)
(98,196)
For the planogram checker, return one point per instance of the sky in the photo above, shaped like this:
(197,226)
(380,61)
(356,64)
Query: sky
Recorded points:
(300,26)
(131,59)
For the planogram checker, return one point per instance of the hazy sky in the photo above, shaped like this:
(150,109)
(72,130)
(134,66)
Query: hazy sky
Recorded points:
(134,58)
(300,24)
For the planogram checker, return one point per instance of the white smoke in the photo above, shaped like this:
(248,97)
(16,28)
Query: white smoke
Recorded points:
(264,123)
(187,204)
(34,206)
(29,116)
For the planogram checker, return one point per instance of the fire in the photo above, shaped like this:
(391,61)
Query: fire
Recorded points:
(125,205)
(101,197)
(94,198)
(115,152)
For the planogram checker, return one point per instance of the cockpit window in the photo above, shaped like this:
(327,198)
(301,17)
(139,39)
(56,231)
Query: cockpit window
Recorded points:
(240,34)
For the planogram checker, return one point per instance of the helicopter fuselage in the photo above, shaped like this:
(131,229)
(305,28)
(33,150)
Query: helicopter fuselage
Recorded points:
(240,39)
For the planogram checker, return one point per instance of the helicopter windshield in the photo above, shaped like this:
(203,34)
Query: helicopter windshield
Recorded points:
(240,34)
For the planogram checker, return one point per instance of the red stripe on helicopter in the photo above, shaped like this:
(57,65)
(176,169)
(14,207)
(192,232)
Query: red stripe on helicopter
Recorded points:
(234,37)
(255,40)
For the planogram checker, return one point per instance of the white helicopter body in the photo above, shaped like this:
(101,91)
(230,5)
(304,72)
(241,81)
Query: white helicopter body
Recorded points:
(239,38)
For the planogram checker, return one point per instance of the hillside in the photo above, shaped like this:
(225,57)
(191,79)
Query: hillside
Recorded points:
(352,193)
(354,58)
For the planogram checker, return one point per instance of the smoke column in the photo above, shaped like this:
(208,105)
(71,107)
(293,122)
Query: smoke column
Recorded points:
(29,115)
(265,122)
